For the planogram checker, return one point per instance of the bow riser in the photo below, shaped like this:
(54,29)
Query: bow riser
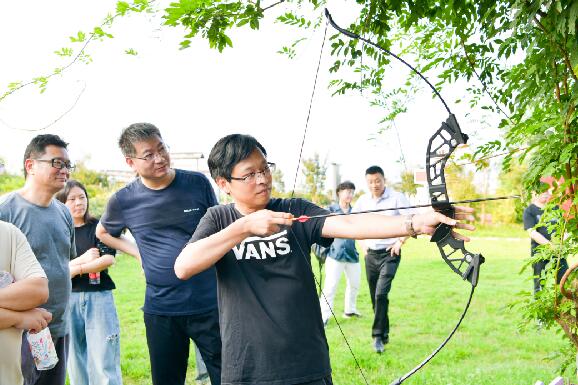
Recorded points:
(440,147)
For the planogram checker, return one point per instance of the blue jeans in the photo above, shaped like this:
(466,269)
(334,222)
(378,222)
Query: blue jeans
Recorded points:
(94,356)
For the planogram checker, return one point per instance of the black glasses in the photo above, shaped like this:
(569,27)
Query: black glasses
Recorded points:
(58,163)
(163,153)
(252,177)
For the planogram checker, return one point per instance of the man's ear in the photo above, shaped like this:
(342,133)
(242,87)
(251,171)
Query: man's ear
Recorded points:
(28,166)
(130,162)
(223,184)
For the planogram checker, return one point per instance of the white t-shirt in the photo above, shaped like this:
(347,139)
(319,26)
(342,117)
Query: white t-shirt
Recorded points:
(17,258)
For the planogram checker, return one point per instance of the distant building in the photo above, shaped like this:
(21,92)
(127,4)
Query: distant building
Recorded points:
(422,191)
(119,176)
(333,179)
(192,161)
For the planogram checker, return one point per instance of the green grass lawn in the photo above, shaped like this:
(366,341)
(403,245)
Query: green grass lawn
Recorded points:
(426,300)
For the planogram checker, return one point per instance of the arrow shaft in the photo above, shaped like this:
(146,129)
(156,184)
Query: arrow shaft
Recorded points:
(414,206)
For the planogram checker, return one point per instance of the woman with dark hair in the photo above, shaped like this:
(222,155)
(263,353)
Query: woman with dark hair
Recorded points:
(94,336)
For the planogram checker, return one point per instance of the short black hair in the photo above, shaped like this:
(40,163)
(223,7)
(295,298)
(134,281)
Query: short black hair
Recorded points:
(136,132)
(374,170)
(347,185)
(37,147)
(229,151)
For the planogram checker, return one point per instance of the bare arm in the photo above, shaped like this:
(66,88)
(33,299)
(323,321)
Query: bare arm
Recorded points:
(374,226)
(8,318)
(364,226)
(88,256)
(204,253)
(93,266)
(25,294)
(119,243)
(200,255)
(537,237)
(33,319)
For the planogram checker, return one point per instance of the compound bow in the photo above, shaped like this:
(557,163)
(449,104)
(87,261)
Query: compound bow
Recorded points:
(440,147)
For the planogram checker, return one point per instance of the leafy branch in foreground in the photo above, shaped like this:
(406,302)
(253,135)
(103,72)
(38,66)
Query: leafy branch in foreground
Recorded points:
(82,39)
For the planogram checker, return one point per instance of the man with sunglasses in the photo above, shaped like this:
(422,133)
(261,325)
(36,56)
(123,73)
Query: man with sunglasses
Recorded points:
(161,209)
(49,229)
(271,322)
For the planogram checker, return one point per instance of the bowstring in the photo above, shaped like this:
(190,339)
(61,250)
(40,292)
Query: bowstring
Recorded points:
(308,114)
(440,347)
(303,253)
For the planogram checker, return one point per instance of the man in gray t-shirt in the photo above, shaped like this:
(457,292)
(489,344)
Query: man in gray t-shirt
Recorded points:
(49,229)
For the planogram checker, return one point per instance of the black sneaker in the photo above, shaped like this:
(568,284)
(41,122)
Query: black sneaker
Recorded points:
(378,345)
(352,315)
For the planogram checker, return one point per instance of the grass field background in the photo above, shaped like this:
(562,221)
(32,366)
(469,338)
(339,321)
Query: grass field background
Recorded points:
(425,303)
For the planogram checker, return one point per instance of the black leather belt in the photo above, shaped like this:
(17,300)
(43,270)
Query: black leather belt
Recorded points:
(380,251)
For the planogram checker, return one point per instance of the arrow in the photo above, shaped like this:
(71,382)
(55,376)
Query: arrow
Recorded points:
(305,218)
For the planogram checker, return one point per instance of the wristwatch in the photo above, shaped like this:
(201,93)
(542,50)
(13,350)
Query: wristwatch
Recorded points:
(409,226)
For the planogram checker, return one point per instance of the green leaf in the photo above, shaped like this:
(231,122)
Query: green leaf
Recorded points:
(64,52)
(79,38)
(185,44)
(122,7)
(14,85)
(572,17)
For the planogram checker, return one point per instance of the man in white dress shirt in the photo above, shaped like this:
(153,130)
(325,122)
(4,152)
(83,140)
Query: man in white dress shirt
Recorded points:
(382,255)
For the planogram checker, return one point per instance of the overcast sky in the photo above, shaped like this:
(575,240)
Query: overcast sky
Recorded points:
(198,95)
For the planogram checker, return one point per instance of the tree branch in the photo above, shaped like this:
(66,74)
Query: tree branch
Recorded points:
(556,81)
(560,47)
(54,121)
(272,5)
(58,72)
(107,21)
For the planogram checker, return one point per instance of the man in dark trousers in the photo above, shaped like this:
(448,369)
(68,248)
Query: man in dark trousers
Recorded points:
(382,255)
(162,208)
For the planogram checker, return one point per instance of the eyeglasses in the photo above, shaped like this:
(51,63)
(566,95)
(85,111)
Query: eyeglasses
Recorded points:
(58,163)
(163,153)
(252,177)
